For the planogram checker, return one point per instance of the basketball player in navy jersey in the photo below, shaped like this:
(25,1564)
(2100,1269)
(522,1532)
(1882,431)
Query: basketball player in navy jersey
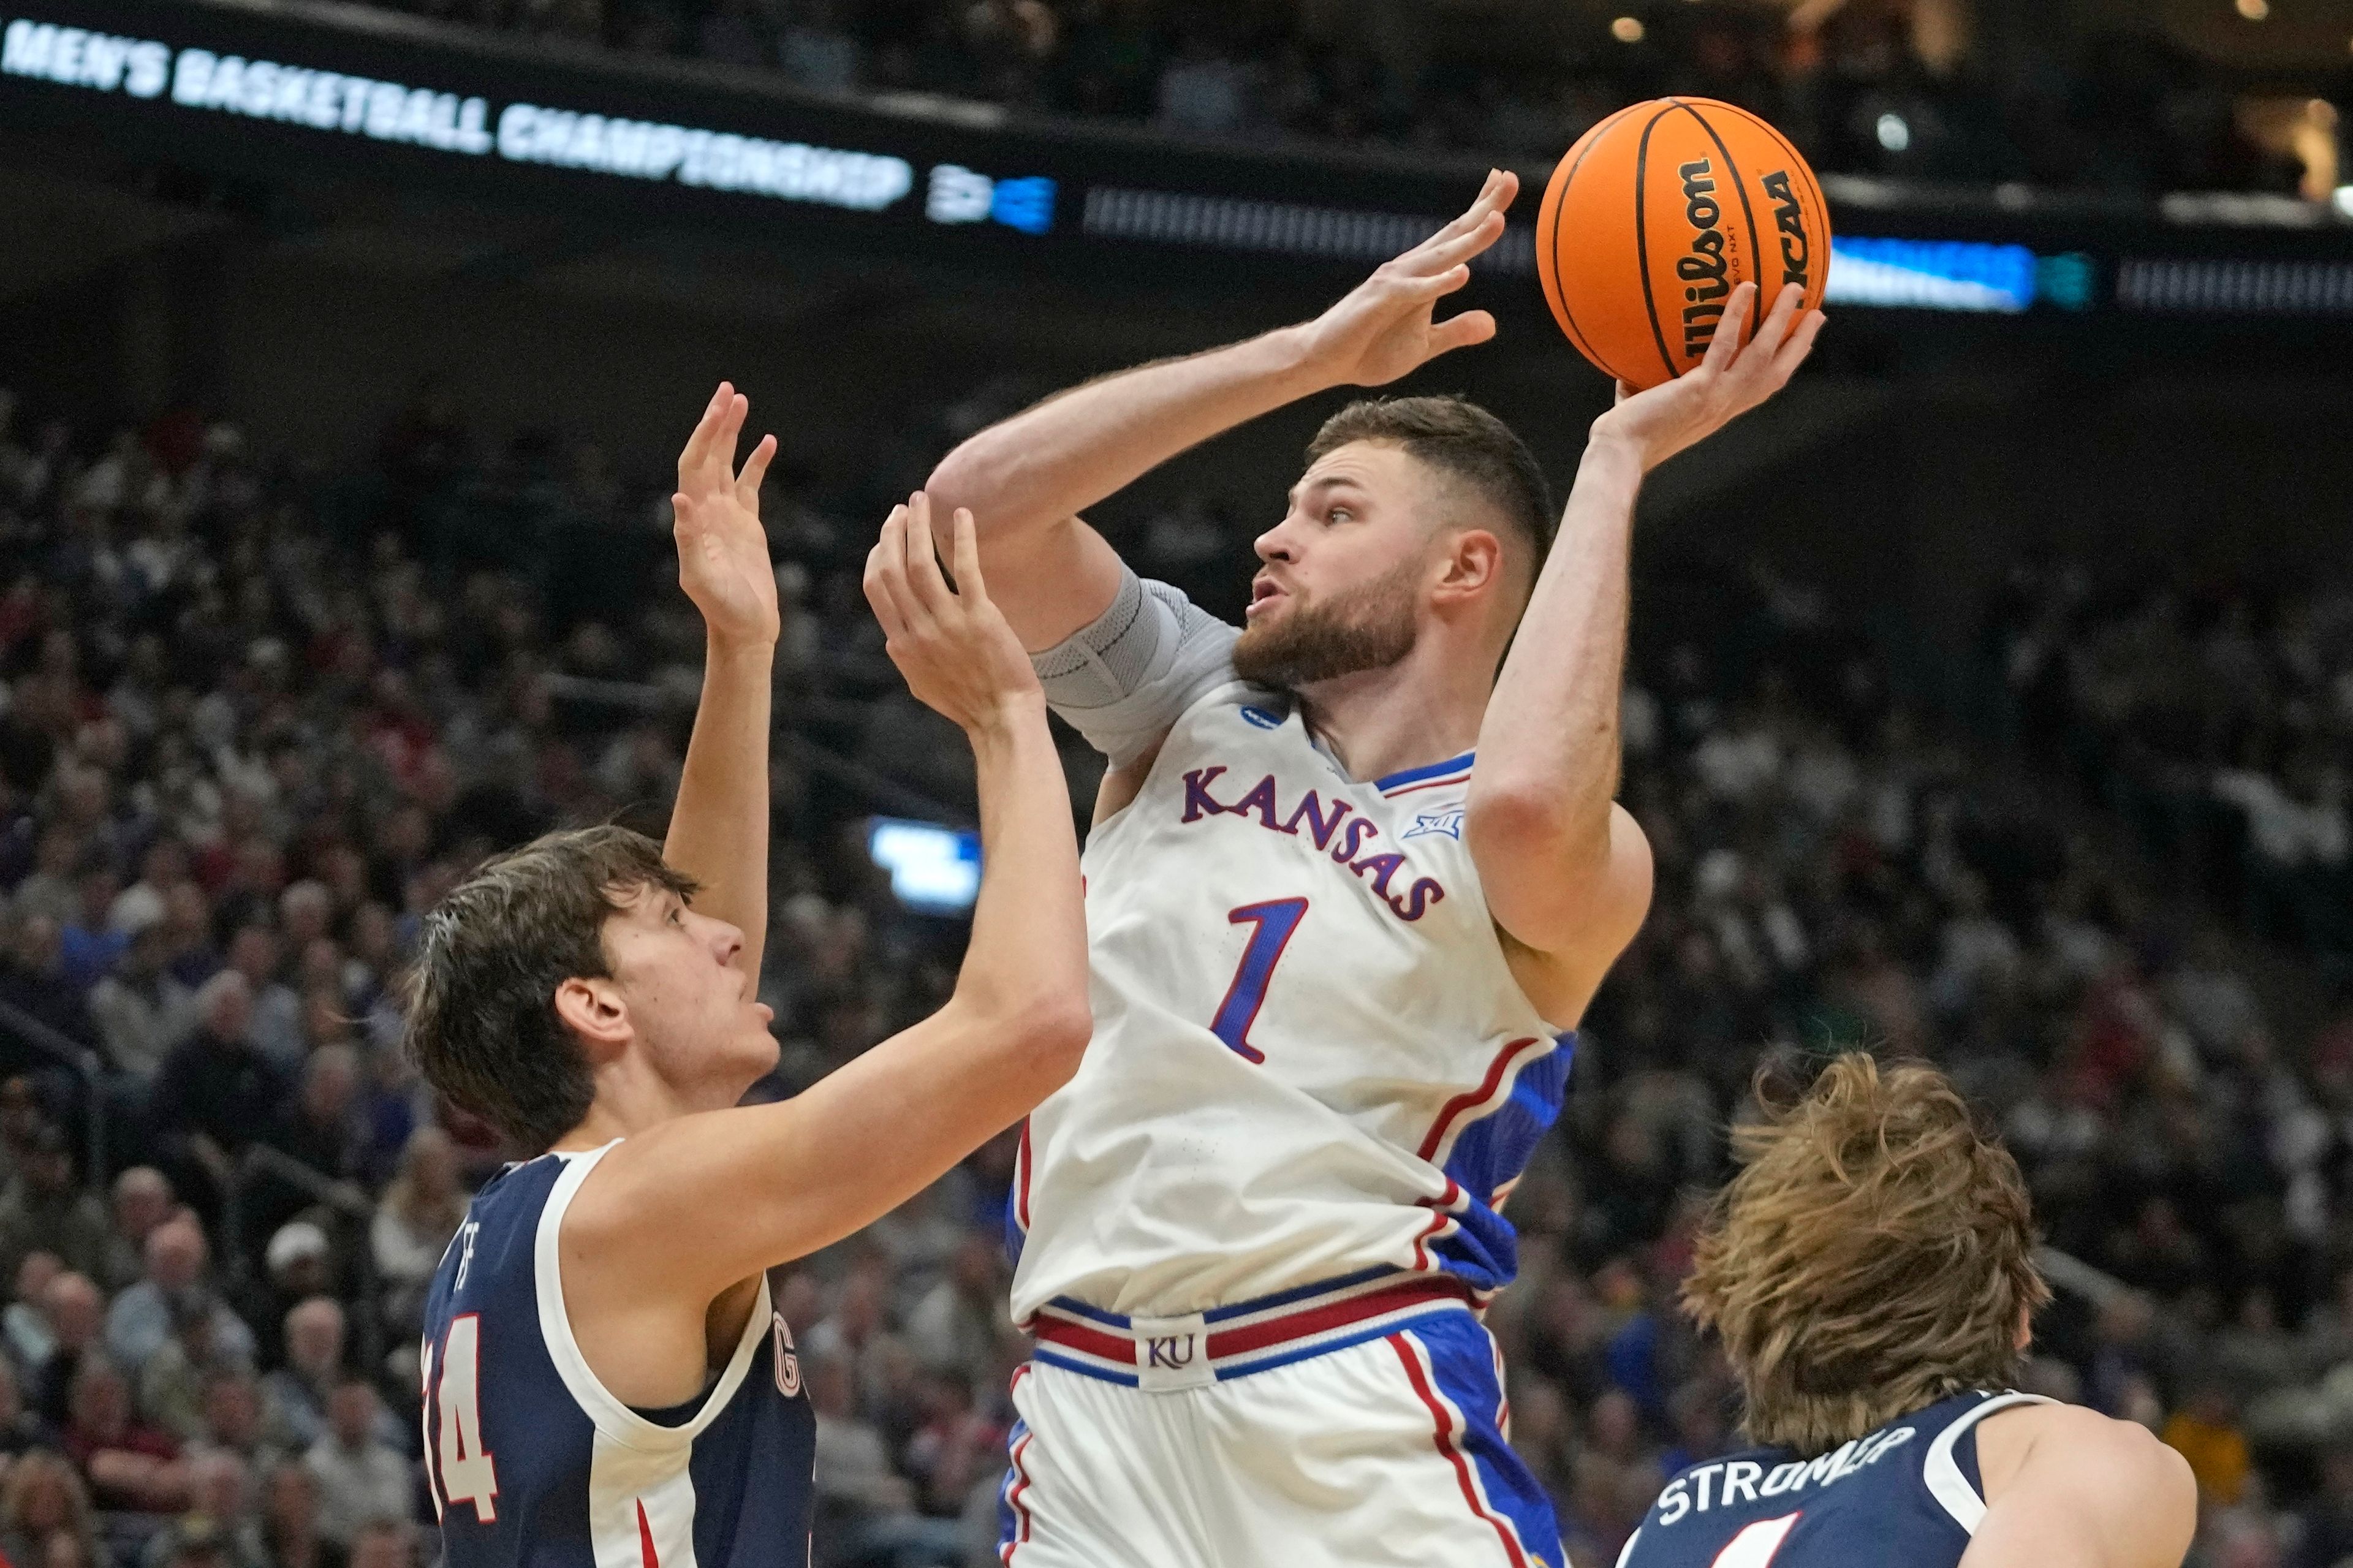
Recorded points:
(1870,1273)
(606,1382)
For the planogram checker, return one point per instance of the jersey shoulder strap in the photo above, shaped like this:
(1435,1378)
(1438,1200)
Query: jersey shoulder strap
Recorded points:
(1940,1468)
(616,1420)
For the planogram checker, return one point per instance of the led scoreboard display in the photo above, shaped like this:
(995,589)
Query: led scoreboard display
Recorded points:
(264,87)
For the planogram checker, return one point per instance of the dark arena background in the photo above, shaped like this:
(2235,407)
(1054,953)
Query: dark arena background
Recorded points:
(1989,699)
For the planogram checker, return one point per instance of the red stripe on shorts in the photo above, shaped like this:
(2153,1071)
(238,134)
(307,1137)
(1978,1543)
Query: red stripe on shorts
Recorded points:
(1446,1446)
(1013,1500)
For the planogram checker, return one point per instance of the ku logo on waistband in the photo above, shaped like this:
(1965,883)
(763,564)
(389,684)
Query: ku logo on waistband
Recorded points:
(1171,1350)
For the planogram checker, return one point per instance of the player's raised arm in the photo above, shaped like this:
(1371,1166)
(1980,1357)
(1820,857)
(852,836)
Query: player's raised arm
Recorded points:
(719,824)
(689,1207)
(1566,870)
(2069,1488)
(1030,477)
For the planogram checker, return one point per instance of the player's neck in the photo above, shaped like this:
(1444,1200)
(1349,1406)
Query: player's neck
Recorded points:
(630,1098)
(1424,708)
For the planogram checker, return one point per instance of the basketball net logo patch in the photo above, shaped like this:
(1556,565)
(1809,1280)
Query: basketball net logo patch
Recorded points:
(788,1362)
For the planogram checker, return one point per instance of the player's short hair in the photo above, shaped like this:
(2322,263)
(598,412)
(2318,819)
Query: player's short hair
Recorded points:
(1463,441)
(1874,1256)
(482,1025)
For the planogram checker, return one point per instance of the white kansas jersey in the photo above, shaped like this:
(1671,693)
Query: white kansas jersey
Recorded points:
(1310,1059)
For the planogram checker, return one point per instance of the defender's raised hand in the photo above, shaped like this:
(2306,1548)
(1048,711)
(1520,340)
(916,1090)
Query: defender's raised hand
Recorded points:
(1382,329)
(959,655)
(723,550)
(1727,384)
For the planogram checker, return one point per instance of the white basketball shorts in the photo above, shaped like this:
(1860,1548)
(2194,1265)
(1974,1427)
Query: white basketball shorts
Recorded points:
(1345,1425)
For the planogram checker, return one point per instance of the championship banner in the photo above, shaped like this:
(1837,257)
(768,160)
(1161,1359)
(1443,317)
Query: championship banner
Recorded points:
(269,89)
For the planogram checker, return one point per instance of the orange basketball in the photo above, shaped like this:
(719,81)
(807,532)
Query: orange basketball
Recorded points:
(1657,214)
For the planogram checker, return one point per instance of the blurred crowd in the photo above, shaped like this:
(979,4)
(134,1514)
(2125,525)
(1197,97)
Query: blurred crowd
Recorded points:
(1912,88)
(1838,867)
(2215,719)
(255,718)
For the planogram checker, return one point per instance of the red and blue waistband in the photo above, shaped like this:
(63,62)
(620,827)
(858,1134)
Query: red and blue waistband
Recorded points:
(1195,1349)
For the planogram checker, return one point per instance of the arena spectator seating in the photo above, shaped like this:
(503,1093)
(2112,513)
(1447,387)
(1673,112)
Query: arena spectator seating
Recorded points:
(256,716)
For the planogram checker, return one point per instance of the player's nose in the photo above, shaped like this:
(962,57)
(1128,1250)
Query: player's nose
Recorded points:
(1277,544)
(726,941)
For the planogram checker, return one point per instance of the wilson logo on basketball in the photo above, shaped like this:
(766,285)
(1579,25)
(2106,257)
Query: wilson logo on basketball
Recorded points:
(1655,217)
(1704,271)
(1790,217)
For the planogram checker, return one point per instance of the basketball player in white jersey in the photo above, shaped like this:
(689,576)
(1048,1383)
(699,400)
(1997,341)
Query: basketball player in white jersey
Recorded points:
(1870,1273)
(1336,961)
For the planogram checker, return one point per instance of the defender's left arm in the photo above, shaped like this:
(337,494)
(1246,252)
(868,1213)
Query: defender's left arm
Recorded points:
(718,824)
(2069,1488)
(1566,869)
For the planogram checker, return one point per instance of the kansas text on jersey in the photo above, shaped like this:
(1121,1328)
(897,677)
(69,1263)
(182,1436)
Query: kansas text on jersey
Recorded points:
(532,1461)
(1311,1060)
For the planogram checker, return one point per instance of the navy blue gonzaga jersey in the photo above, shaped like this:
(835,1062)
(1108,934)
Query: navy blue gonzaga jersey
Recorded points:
(1907,1493)
(532,1461)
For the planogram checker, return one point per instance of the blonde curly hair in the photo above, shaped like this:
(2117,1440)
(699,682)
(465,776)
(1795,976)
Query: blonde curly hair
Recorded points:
(1874,1256)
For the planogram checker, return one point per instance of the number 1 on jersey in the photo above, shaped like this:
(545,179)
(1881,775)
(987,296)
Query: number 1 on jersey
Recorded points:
(1754,1545)
(1271,924)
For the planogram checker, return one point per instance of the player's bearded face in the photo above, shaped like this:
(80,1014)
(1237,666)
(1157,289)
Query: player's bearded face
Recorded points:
(1367,626)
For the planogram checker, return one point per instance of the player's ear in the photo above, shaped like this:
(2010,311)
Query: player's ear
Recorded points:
(1473,563)
(595,1011)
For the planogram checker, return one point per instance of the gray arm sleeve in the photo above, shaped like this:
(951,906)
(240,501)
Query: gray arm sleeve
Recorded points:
(1124,681)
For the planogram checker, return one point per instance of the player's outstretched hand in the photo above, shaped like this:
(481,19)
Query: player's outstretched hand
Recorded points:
(951,643)
(723,550)
(1724,385)
(1383,328)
